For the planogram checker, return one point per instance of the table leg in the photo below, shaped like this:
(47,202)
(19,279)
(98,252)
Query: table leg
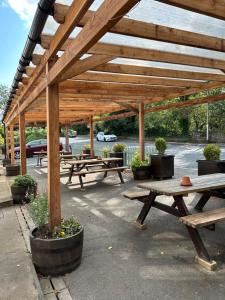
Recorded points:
(193,232)
(202,201)
(120,176)
(71,174)
(81,182)
(145,210)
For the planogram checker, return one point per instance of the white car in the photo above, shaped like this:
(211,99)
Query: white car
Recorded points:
(103,137)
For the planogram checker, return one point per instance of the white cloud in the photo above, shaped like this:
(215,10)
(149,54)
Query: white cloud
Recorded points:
(24,8)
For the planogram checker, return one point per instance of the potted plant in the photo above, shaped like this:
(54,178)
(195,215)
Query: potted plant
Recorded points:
(105,152)
(141,168)
(22,188)
(6,161)
(87,149)
(162,164)
(118,151)
(58,251)
(212,163)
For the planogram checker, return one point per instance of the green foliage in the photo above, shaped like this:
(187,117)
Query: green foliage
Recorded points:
(25,180)
(212,152)
(4,95)
(38,210)
(119,147)
(35,134)
(105,152)
(137,162)
(68,227)
(87,147)
(160,145)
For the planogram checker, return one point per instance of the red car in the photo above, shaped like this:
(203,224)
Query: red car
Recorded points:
(34,146)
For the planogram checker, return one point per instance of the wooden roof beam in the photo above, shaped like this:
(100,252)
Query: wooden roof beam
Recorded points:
(150,71)
(145,54)
(215,8)
(151,31)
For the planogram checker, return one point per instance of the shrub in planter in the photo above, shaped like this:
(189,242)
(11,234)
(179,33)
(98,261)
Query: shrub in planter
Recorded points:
(6,161)
(23,187)
(105,152)
(160,145)
(87,149)
(54,252)
(212,152)
(118,151)
(141,168)
(162,164)
(212,164)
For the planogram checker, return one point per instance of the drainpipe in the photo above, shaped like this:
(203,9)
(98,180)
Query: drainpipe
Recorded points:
(44,9)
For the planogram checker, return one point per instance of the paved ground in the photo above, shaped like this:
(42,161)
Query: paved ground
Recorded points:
(16,271)
(122,263)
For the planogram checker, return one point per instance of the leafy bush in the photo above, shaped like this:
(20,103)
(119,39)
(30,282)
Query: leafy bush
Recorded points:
(87,147)
(212,152)
(160,145)
(38,210)
(119,147)
(68,227)
(25,180)
(105,152)
(137,162)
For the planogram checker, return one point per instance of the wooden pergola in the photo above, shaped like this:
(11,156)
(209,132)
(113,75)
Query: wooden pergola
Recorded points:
(85,72)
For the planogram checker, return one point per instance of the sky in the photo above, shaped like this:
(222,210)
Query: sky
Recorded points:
(15,20)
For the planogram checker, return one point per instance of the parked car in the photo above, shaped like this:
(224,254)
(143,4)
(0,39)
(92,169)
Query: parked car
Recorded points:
(106,137)
(34,146)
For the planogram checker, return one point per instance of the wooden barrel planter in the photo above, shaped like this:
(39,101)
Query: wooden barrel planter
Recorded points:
(142,173)
(55,257)
(18,194)
(6,161)
(12,170)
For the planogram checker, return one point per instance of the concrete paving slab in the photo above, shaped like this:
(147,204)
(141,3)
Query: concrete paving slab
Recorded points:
(5,192)
(17,276)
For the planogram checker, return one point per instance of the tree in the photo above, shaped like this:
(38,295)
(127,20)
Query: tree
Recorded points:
(4,95)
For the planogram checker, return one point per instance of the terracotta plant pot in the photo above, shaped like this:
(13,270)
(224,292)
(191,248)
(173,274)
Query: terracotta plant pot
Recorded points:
(186,181)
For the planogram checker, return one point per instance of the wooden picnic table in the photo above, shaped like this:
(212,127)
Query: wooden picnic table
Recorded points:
(203,184)
(63,157)
(105,164)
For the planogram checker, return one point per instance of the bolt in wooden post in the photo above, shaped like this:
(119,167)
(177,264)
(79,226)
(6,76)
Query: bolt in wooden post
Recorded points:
(23,166)
(91,136)
(67,143)
(12,145)
(7,142)
(52,98)
(141,131)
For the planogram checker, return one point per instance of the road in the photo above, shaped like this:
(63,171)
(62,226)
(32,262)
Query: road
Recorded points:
(185,154)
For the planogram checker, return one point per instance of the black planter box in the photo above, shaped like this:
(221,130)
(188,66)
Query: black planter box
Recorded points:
(142,173)
(12,170)
(118,155)
(162,166)
(210,166)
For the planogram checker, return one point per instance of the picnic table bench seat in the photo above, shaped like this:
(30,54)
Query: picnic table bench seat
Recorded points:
(205,218)
(80,173)
(136,195)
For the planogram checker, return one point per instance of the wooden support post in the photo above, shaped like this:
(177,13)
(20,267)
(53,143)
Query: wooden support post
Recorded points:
(23,166)
(7,142)
(141,131)
(52,98)
(12,145)
(91,136)
(67,143)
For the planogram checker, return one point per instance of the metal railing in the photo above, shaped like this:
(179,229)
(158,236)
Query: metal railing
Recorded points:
(130,151)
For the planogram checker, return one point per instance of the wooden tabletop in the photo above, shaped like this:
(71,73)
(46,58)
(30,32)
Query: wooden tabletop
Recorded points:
(172,187)
(92,161)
